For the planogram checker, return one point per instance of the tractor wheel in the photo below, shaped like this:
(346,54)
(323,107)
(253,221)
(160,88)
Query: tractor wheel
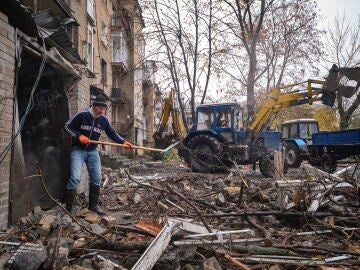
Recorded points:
(328,162)
(292,155)
(267,167)
(205,154)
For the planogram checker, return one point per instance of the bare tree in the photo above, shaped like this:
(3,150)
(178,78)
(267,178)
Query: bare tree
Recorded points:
(278,38)
(250,17)
(181,35)
(343,48)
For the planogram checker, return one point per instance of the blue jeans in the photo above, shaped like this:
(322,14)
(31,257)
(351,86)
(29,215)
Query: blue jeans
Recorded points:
(92,160)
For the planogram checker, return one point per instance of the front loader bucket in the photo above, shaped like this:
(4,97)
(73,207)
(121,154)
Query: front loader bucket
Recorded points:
(333,84)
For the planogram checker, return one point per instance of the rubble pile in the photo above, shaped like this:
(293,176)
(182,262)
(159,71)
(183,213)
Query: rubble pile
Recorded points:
(162,216)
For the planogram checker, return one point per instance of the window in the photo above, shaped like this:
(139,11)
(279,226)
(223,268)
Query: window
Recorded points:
(103,71)
(120,48)
(91,9)
(90,48)
(307,129)
(104,33)
(70,33)
(239,123)
(285,131)
(294,131)
(205,119)
(223,118)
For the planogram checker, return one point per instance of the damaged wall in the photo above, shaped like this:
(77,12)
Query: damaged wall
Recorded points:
(7,61)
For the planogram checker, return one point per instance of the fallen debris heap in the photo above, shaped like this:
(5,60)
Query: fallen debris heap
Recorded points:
(161,216)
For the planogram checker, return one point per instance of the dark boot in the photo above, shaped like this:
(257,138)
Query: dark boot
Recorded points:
(70,199)
(94,193)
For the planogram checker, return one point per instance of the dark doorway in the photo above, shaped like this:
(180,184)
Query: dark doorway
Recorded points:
(43,137)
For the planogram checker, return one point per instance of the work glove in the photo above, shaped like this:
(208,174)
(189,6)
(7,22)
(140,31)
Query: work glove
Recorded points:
(128,144)
(83,139)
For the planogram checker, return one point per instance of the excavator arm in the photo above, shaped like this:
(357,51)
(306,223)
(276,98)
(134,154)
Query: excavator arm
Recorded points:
(280,98)
(316,90)
(179,129)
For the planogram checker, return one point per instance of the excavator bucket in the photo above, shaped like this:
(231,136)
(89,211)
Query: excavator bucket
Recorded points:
(334,84)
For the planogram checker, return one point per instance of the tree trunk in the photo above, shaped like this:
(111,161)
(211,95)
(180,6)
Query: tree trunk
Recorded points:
(344,122)
(251,84)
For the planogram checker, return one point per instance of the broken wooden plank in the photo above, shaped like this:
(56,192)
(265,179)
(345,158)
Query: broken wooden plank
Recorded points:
(92,217)
(45,224)
(279,165)
(108,220)
(163,205)
(149,227)
(236,262)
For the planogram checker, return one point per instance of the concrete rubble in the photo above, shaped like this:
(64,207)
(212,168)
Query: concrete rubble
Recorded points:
(162,216)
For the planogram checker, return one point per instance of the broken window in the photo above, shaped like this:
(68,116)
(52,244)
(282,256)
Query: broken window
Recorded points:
(104,33)
(90,48)
(103,71)
(120,48)
(91,9)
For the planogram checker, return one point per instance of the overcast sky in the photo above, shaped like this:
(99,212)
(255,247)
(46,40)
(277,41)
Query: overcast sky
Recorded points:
(330,8)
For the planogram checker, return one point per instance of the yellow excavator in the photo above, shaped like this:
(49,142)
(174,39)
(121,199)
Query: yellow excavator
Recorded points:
(178,132)
(316,90)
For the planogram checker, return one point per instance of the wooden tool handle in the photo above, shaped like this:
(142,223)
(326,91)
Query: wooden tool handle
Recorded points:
(125,146)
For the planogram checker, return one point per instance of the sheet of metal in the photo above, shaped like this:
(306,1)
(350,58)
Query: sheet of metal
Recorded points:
(188,226)
(249,231)
(217,242)
(156,248)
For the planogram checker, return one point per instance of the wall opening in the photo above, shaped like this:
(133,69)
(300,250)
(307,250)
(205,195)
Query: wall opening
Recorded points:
(43,137)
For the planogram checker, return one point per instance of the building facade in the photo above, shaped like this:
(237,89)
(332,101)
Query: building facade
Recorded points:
(91,47)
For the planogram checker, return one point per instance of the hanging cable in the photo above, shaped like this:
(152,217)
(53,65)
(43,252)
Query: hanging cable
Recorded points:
(30,104)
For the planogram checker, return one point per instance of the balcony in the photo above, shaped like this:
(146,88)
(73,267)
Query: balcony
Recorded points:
(149,73)
(118,95)
(121,128)
(121,19)
(120,49)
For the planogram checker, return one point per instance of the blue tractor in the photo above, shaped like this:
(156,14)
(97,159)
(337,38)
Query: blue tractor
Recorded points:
(219,139)
(297,135)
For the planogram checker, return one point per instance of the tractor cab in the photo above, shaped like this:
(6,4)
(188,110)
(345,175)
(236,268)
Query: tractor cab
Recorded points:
(224,121)
(299,129)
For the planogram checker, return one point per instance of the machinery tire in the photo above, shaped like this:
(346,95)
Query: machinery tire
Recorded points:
(205,154)
(328,163)
(292,155)
(267,167)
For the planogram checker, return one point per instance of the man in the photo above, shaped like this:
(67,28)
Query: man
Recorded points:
(85,126)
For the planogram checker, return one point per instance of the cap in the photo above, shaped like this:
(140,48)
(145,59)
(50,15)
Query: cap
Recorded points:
(100,101)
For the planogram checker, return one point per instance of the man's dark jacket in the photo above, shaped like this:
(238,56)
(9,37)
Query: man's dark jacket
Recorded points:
(83,123)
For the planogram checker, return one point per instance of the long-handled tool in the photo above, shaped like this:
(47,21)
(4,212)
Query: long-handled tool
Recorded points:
(137,147)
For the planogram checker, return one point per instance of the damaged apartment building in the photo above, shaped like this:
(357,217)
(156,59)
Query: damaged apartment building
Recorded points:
(55,57)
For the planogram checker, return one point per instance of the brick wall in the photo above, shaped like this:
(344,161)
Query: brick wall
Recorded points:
(7,61)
